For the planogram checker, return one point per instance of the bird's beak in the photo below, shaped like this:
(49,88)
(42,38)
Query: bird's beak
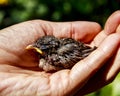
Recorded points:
(30,47)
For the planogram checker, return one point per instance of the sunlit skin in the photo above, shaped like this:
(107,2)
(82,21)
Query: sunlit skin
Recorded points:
(19,72)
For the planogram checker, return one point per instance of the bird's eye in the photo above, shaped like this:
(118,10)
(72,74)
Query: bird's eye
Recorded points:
(44,47)
(54,43)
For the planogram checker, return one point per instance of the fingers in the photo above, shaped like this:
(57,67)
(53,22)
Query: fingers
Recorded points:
(114,67)
(109,71)
(99,38)
(112,22)
(103,77)
(115,63)
(86,68)
(21,34)
(17,37)
(118,29)
(87,31)
(14,39)
(110,27)
(80,30)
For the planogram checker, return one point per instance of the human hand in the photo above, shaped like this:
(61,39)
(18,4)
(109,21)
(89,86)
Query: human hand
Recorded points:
(112,67)
(19,70)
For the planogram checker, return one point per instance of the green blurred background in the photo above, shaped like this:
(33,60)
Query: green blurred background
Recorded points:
(15,11)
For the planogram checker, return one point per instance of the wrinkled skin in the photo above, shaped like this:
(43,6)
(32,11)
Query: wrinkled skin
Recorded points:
(19,73)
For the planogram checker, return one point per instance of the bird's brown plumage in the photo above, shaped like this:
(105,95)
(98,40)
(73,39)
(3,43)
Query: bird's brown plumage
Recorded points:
(61,53)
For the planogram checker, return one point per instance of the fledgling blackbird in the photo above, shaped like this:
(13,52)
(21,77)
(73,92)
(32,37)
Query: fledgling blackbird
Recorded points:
(56,54)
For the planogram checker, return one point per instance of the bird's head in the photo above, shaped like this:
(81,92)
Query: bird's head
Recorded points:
(45,45)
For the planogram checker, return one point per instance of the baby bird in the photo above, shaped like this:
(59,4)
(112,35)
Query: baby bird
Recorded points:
(56,54)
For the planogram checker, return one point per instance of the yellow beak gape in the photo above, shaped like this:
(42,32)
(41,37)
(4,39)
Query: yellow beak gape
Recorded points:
(29,47)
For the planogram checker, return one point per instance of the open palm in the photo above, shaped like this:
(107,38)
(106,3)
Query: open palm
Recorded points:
(19,71)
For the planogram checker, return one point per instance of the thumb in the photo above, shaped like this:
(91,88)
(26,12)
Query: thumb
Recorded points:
(86,68)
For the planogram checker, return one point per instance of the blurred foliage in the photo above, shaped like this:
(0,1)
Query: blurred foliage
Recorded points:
(15,11)
(112,89)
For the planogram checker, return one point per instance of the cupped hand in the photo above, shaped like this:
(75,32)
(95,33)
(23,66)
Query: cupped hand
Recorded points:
(109,71)
(19,72)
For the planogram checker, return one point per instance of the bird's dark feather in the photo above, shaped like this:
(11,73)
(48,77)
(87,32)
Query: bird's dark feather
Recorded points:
(61,53)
